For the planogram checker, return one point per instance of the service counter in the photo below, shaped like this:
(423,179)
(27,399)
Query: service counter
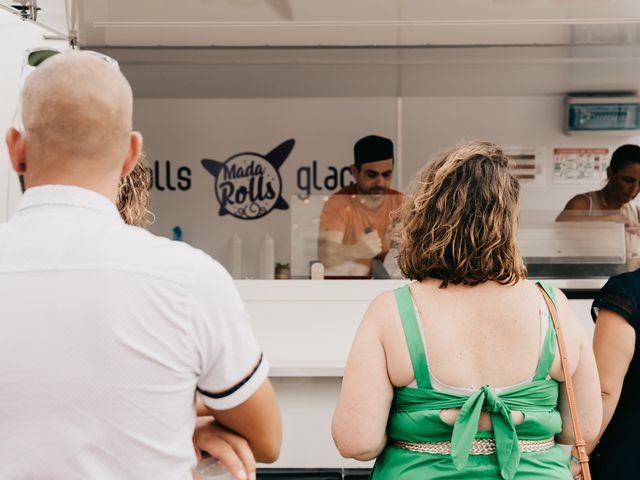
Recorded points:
(306,328)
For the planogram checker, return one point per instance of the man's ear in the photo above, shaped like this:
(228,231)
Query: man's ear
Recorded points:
(133,154)
(354,170)
(17,146)
(609,172)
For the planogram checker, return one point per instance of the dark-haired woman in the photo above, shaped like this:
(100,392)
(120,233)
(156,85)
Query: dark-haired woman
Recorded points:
(614,201)
(456,375)
(617,308)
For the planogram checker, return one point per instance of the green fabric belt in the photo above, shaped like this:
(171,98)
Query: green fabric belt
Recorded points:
(540,395)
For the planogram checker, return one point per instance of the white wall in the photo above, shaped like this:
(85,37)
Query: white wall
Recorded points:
(15,37)
(184,131)
(193,104)
(434,123)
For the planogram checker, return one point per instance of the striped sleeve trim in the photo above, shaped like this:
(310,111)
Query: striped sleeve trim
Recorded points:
(236,387)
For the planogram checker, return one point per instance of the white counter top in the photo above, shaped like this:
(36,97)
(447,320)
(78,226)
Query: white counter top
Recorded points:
(306,326)
(307,369)
(356,290)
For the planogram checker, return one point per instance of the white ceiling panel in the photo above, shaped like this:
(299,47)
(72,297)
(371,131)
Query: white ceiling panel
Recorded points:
(250,23)
(345,22)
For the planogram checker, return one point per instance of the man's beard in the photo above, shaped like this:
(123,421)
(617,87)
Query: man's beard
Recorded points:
(376,191)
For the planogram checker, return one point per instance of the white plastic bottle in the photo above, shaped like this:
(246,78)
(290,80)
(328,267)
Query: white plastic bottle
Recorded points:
(267,258)
(317,271)
(234,255)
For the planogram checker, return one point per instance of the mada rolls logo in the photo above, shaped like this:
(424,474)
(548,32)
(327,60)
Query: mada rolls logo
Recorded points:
(248,185)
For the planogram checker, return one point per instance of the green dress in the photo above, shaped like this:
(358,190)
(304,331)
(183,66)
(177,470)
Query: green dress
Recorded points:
(415,417)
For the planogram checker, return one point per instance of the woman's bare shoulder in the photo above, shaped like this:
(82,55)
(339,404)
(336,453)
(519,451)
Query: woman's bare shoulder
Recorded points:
(382,313)
(382,304)
(560,299)
(384,300)
(578,202)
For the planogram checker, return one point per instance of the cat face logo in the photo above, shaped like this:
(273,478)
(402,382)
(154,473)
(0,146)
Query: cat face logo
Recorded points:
(248,185)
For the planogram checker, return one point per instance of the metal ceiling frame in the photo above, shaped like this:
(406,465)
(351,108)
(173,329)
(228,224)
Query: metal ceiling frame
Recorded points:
(15,12)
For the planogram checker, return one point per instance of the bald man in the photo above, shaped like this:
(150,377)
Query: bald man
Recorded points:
(107,331)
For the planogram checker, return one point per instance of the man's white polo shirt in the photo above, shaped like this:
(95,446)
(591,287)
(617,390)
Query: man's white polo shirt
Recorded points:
(106,332)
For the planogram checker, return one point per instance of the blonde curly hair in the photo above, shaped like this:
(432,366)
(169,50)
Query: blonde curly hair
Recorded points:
(460,222)
(134,196)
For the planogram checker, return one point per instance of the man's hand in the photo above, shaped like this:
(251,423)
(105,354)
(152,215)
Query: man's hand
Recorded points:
(210,438)
(393,235)
(332,252)
(369,245)
(632,229)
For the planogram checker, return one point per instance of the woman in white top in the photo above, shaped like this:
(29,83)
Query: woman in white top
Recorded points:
(614,202)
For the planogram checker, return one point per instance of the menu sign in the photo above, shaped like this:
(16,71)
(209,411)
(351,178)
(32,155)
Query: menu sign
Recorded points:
(580,165)
(527,164)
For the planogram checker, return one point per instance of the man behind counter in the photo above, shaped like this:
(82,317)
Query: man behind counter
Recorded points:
(355,222)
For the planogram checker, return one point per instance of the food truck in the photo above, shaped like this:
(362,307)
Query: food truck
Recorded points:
(276,93)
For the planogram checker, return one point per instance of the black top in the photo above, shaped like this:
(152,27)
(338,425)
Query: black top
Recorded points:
(616,456)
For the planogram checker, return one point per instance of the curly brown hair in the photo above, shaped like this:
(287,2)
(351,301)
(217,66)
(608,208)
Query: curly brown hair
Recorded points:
(134,196)
(460,222)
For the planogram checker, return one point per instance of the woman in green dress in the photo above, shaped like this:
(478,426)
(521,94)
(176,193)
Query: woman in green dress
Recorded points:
(456,376)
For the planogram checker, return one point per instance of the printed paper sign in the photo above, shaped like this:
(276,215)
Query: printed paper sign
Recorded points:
(527,164)
(580,165)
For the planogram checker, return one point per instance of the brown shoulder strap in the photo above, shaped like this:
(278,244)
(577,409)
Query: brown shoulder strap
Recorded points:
(579,441)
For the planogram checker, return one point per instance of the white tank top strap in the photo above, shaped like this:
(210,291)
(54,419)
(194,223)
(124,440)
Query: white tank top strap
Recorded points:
(590,198)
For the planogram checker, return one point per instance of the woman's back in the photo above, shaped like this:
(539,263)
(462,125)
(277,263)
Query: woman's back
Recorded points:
(488,334)
(429,436)
(471,333)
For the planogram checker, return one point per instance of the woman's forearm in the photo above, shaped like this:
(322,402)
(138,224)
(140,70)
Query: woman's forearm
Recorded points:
(609,404)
